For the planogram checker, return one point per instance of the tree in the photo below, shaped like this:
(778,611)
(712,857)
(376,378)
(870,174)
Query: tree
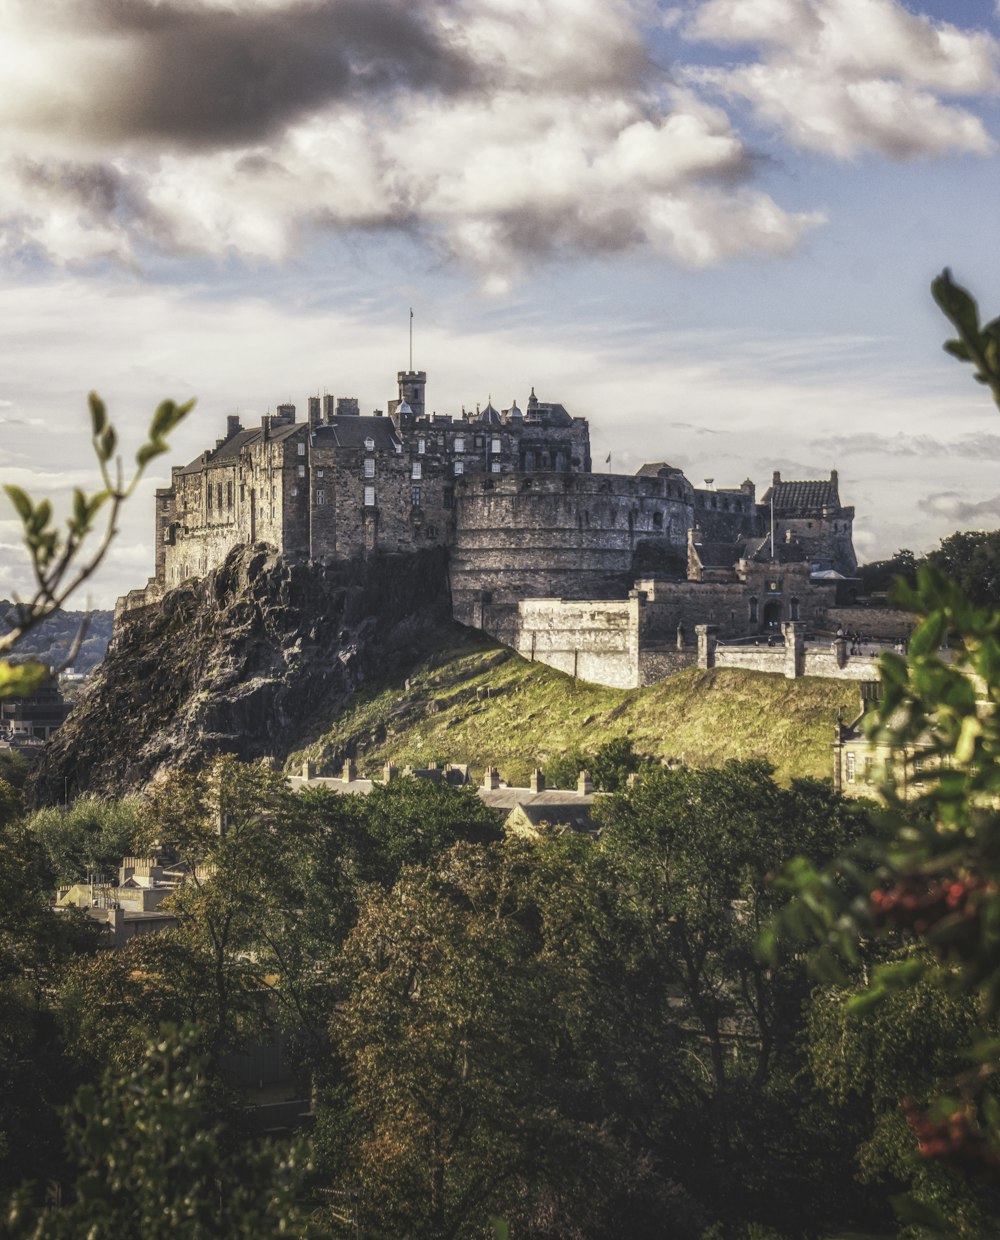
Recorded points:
(452,1034)
(153,1159)
(89,836)
(691,851)
(60,562)
(971,559)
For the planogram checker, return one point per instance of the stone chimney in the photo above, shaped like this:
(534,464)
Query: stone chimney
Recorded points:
(537,783)
(233,426)
(491,778)
(350,772)
(584,783)
(389,771)
(314,411)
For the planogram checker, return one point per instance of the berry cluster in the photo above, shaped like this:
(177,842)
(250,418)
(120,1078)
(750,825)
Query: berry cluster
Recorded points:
(954,1140)
(918,904)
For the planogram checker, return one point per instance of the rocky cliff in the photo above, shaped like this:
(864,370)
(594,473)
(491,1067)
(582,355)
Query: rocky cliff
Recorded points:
(254,660)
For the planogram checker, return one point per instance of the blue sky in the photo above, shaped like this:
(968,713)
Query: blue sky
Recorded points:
(708,227)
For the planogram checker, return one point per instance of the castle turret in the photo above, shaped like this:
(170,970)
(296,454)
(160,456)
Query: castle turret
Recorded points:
(412,386)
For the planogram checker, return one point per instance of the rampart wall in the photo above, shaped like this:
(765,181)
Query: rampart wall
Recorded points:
(881,622)
(593,640)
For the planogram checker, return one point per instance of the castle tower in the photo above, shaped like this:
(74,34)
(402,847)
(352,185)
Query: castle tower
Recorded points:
(412,384)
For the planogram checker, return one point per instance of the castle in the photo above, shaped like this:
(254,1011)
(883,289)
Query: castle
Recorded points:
(605,575)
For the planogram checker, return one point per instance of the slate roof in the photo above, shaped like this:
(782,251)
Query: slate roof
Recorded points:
(802,498)
(231,449)
(718,554)
(352,431)
(653,469)
(555,809)
(489,415)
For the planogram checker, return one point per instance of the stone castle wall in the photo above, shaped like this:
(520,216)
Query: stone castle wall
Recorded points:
(557,536)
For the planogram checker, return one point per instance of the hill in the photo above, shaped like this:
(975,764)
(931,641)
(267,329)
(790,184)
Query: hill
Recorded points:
(52,641)
(475,702)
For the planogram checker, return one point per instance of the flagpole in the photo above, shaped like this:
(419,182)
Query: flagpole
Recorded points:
(411,338)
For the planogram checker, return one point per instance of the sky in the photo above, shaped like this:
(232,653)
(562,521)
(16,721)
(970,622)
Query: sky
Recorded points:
(709,228)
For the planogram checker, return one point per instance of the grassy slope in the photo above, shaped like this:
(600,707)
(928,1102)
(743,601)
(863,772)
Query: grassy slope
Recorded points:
(700,717)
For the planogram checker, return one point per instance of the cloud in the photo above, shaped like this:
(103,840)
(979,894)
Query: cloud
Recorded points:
(977,446)
(502,133)
(843,76)
(955,507)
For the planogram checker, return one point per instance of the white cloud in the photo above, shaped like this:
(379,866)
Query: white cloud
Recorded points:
(528,130)
(841,76)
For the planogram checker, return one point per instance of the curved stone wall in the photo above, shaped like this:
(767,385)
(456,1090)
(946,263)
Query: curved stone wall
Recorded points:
(558,535)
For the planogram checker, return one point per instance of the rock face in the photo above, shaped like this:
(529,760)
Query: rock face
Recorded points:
(251,660)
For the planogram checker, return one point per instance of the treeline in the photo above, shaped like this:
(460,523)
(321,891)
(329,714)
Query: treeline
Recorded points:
(971,558)
(53,640)
(575,1035)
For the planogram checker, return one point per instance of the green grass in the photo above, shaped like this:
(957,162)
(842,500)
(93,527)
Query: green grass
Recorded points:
(699,717)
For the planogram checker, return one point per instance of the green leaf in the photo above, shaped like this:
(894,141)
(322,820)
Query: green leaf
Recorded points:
(958,305)
(98,413)
(148,451)
(912,1210)
(164,419)
(21,679)
(20,501)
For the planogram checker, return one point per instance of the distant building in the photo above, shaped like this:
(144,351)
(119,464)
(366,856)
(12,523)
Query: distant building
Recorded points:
(32,718)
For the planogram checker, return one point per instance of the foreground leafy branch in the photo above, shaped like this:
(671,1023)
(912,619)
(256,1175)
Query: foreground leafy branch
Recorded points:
(60,561)
(919,903)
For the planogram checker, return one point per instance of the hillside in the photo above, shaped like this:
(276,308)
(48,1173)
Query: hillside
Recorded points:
(440,712)
(51,641)
(255,659)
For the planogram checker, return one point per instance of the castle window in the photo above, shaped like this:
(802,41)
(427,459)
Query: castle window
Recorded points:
(459,445)
(868,770)
(369,497)
(369,444)
(495,467)
(448,497)
(319,473)
(302,449)
(479,442)
(243,493)
(369,467)
(417,471)
(415,496)
(320,496)
(274,493)
(208,496)
(850,768)
(229,496)
(421,446)
(658,520)
(753,611)
(794,609)
(295,491)
(302,471)
(496,445)
(459,467)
